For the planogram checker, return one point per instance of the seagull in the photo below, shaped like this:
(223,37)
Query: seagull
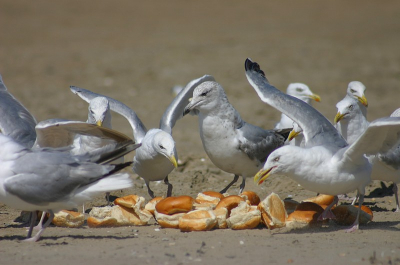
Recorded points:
(327,164)
(48,180)
(385,166)
(99,113)
(231,144)
(352,120)
(15,120)
(300,91)
(18,123)
(355,90)
(157,156)
(303,92)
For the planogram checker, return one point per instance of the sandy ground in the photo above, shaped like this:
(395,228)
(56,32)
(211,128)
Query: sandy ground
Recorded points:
(137,51)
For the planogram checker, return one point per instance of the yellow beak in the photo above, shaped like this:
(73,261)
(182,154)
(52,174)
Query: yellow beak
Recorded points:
(261,176)
(338,117)
(315,97)
(363,100)
(99,123)
(173,161)
(292,135)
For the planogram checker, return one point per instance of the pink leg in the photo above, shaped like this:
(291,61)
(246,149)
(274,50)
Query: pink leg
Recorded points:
(395,190)
(327,213)
(37,236)
(33,221)
(40,224)
(355,225)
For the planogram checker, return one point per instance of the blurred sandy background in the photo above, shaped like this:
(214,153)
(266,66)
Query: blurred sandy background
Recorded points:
(136,51)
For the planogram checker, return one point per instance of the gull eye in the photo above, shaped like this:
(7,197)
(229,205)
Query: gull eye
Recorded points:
(353,91)
(351,107)
(299,89)
(276,159)
(162,147)
(204,93)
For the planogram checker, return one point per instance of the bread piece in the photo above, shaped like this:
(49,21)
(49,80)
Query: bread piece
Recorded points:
(65,218)
(273,212)
(172,205)
(244,216)
(347,214)
(229,203)
(198,220)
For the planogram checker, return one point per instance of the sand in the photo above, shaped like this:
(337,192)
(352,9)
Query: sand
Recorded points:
(137,51)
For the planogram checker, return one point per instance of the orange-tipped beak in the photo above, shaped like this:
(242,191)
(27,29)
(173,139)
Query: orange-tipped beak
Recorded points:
(262,175)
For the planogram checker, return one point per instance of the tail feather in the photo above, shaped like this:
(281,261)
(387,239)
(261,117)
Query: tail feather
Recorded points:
(111,183)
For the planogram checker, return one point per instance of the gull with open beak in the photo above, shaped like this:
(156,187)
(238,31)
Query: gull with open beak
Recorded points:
(157,156)
(327,163)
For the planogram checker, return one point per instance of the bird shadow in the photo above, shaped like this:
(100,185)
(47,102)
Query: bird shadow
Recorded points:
(381,192)
(57,238)
(333,227)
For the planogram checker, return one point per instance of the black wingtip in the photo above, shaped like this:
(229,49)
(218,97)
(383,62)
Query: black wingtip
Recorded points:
(249,65)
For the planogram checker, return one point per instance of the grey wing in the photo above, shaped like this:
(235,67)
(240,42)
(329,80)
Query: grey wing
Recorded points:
(42,177)
(15,120)
(317,130)
(139,130)
(381,136)
(258,143)
(38,189)
(391,158)
(59,133)
(175,110)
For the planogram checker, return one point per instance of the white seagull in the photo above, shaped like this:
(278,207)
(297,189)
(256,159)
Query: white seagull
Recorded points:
(157,156)
(48,180)
(231,144)
(303,92)
(327,164)
(385,166)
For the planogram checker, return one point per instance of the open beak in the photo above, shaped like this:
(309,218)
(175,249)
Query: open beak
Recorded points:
(262,175)
(363,100)
(292,135)
(173,161)
(338,117)
(315,97)
(99,123)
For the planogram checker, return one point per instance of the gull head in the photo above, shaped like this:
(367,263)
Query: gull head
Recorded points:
(356,90)
(206,97)
(164,144)
(278,162)
(302,91)
(347,109)
(99,112)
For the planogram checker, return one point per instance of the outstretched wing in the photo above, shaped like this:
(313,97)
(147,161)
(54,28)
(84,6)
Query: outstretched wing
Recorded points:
(381,136)
(317,129)
(59,133)
(175,110)
(15,120)
(139,130)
